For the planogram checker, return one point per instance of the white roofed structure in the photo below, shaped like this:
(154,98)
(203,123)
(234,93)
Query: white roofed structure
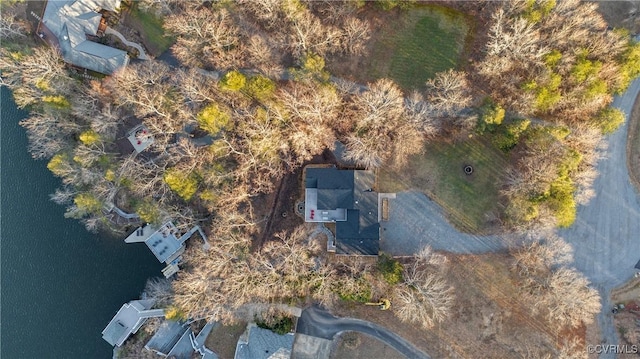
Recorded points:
(164,243)
(128,320)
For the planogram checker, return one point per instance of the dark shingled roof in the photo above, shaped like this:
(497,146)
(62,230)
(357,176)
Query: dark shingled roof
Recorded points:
(334,198)
(352,190)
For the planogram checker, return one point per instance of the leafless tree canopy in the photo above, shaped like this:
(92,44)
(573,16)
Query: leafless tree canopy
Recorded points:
(561,293)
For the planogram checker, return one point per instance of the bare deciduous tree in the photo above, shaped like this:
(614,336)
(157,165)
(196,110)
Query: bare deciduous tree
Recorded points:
(10,26)
(448,92)
(381,127)
(423,299)
(206,38)
(569,300)
(159,289)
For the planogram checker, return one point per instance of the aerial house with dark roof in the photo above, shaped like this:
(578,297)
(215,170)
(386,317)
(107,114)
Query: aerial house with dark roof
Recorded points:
(346,198)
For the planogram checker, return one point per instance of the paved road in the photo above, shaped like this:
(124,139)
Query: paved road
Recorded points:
(606,235)
(320,323)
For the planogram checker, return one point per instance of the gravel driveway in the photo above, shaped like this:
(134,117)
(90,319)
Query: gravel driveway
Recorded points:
(415,221)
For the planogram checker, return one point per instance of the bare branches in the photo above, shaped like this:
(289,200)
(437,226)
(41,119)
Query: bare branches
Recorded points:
(10,26)
(424,300)
(147,89)
(562,293)
(380,121)
(570,301)
(158,289)
(206,38)
(448,92)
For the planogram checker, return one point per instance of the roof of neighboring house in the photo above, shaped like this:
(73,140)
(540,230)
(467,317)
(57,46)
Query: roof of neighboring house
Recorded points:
(70,21)
(183,349)
(264,344)
(329,192)
(177,340)
(128,320)
(166,337)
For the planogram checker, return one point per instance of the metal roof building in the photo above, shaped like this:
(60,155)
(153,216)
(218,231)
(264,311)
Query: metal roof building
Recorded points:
(71,21)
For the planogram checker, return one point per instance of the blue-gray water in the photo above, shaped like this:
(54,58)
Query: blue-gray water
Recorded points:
(60,285)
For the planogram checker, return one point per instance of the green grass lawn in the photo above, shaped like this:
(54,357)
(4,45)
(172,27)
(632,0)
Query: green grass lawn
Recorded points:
(469,200)
(424,41)
(151,29)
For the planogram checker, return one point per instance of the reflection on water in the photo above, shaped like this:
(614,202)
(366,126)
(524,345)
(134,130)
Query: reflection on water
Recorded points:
(60,284)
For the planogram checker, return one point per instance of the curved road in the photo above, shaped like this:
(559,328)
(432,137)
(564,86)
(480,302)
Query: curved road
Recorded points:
(606,234)
(319,323)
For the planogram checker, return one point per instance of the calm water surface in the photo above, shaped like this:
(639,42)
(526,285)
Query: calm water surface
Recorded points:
(60,285)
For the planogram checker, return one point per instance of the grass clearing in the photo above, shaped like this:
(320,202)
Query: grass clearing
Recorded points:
(470,201)
(423,41)
(223,339)
(151,30)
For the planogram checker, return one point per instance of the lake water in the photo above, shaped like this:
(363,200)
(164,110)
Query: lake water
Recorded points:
(60,284)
